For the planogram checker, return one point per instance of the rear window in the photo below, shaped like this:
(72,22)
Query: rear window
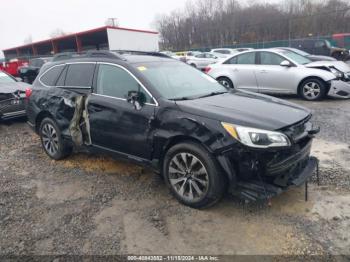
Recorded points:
(80,75)
(49,78)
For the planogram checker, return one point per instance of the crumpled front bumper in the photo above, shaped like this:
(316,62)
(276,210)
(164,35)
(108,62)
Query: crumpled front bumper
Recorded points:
(256,190)
(339,89)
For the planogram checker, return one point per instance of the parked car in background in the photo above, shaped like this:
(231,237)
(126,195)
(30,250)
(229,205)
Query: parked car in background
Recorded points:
(226,52)
(11,66)
(320,47)
(12,95)
(307,55)
(170,54)
(202,60)
(203,138)
(283,72)
(28,72)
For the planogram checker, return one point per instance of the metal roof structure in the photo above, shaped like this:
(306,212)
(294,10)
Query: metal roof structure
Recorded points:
(94,39)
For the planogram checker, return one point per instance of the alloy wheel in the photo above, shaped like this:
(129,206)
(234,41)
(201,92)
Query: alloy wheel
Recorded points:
(50,138)
(311,90)
(225,83)
(188,176)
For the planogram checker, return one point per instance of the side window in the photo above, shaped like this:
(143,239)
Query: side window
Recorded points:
(49,78)
(246,59)
(231,61)
(267,58)
(225,52)
(200,56)
(207,55)
(116,82)
(320,44)
(80,75)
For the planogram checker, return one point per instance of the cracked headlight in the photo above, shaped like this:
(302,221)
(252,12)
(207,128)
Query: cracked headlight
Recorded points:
(257,138)
(336,72)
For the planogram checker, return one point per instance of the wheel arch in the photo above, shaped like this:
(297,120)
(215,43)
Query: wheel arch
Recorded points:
(40,117)
(313,77)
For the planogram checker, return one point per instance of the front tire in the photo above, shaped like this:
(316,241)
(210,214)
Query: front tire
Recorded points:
(193,176)
(312,89)
(226,82)
(52,141)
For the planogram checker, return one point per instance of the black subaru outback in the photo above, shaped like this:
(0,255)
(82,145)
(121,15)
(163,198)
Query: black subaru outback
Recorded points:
(203,138)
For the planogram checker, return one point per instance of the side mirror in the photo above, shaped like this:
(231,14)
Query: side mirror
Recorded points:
(136,99)
(285,63)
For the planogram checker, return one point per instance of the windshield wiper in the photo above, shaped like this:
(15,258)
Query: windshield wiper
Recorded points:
(213,94)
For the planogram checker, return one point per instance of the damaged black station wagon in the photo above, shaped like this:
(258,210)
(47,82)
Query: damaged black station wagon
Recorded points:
(203,138)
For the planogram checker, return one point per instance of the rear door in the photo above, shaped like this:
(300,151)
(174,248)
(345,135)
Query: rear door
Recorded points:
(115,125)
(241,69)
(272,77)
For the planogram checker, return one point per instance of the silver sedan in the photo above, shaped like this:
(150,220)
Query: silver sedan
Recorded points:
(283,72)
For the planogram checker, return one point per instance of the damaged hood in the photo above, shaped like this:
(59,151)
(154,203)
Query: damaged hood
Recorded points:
(6,88)
(341,66)
(247,109)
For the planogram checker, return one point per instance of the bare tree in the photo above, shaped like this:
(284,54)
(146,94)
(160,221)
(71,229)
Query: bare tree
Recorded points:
(28,39)
(57,33)
(214,23)
(112,22)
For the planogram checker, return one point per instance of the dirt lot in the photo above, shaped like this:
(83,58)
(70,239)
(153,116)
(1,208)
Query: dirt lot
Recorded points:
(94,205)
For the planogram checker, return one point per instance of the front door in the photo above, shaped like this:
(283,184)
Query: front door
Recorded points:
(241,71)
(274,78)
(115,124)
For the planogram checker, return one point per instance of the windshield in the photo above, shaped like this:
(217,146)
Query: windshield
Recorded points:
(179,81)
(4,78)
(299,59)
(300,52)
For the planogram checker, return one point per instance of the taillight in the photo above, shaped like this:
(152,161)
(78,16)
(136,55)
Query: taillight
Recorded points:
(28,92)
(207,69)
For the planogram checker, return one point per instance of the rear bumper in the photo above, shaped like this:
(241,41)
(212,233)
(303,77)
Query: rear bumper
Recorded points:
(255,190)
(339,89)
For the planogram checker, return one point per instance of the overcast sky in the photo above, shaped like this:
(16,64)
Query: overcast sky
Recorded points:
(38,18)
(20,19)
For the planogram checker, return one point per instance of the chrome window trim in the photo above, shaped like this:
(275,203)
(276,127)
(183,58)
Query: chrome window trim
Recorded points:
(118,98)
(133,76)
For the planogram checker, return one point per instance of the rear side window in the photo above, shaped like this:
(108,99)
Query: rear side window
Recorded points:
(49,78)
(80,75)
(244,59)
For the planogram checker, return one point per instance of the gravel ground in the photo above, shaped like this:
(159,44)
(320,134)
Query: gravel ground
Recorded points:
(90,204)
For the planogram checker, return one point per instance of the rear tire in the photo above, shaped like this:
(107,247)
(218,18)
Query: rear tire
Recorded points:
(226,82)
(312,89)
(52,141)
(193,176)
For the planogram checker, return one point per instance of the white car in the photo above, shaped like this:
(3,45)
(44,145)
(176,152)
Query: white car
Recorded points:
(226,52)
(283,72)
(202,60)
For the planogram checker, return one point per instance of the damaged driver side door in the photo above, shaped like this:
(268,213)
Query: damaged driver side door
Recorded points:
(116,124)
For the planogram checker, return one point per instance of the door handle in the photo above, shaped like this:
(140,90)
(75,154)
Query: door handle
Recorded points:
(235,69)
(263,71)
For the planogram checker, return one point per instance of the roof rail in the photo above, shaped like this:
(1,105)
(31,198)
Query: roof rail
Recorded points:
(90,53)
(134,52)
